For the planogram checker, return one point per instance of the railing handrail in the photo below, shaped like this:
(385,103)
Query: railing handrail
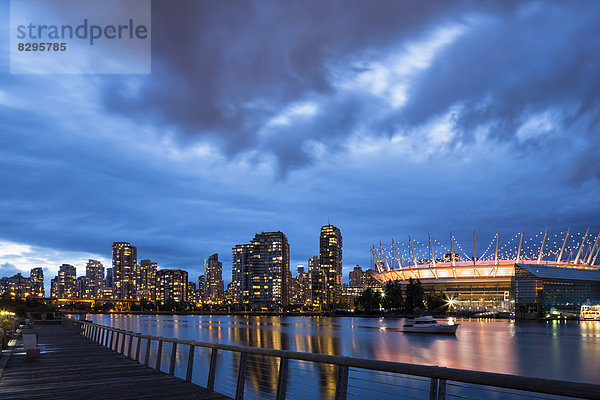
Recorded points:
(531,384)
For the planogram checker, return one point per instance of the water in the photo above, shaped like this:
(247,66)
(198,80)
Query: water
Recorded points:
(556,350)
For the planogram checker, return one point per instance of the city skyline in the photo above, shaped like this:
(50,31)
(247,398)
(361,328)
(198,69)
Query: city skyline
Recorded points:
(388,120)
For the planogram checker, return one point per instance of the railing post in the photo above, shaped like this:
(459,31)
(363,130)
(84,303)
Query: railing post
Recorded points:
(137,349)
(441,390)
(158,354)
(123,343)
(173,356)
(190,364)
(147,355)
(96,333)
(210,382)
(341,387)
(103,336)
(433,386)
(114,340)
(241,378)
(282,379)
(129,346)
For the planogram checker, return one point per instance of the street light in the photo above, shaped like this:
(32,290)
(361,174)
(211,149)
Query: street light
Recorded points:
(450,303)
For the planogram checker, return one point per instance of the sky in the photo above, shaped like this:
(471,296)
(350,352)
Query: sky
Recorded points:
(384,118)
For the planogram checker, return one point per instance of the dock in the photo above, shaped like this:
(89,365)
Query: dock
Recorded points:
(73,367)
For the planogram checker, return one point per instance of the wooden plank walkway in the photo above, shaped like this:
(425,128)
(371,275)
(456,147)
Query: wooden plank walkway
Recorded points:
(74,367)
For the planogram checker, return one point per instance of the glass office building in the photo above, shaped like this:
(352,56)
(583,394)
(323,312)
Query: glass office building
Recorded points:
(538,288)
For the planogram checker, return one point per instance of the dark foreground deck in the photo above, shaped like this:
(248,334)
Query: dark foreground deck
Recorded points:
(74,367)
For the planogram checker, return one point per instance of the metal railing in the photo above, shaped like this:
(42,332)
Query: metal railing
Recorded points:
(353,377)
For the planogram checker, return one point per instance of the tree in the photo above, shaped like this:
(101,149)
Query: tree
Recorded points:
(414,295)
(392,296)
(369,300)
(435,301)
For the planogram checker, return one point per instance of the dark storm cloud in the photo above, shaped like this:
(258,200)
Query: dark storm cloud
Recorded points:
(539,58)
(213,65)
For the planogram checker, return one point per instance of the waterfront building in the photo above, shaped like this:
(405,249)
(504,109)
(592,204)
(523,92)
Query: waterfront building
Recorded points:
(261,272)
(357,278)
(350,296)
(371,280)
(171,284)
(94,272)
(538,288)
(81,287)
(193,293)
(317,280)
(202,287)
(229,295)
(36,277)
(329,288)
(213,273)
(108,283)
(66,288)
(146,280)
(54,287)
(106,293)
(124,260)
(15,286)
(301,286)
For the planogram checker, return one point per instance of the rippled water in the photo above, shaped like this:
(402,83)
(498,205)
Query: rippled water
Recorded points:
(557,350)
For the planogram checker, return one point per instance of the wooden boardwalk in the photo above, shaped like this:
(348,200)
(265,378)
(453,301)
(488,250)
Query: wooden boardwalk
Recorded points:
(74,367)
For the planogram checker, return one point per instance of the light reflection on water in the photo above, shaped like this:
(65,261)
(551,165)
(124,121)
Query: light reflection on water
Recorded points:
(557,350)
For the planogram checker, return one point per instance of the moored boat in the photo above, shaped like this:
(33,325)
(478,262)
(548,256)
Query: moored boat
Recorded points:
(589,312)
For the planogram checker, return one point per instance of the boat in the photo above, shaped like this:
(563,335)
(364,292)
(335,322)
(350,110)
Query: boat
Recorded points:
(428,324)
(589,312)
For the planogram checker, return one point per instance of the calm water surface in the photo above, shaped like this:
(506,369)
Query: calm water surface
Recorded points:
(558,350)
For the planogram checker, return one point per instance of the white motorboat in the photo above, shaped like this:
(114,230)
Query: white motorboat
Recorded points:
(589,312)
(428,324)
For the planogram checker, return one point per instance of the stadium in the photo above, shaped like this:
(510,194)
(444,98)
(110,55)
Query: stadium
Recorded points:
(486,281)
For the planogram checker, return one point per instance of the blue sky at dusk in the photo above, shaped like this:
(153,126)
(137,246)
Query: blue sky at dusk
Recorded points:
(385,118)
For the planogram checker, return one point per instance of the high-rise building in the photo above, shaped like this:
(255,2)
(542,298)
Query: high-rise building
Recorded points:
(54,287)
(94,273)
(261,271)
(124,260)
(171,284)
(330,263)
(147,280)
(108,283)
(213,273)
(66,288)
(230,293)
(301,286)
(357,278)
(193,293)
(317,281)
(81,287)
(36,276)
(371,281)
(202,287)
